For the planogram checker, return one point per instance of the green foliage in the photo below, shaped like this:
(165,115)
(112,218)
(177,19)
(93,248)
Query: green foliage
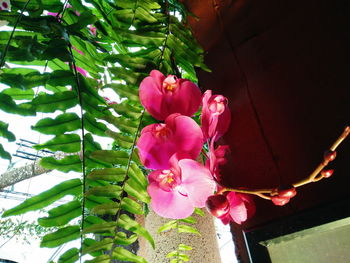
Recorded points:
(178,255)
(112,180)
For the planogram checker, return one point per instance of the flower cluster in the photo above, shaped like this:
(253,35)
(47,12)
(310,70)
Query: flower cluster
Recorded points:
(178,182)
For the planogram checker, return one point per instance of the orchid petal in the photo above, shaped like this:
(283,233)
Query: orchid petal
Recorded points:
(170,204)
(197,182)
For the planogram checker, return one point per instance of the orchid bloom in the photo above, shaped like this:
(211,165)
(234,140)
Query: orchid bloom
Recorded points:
(176,191)
(233,206)
(5,5)
(158,142)
(162,96)
(216,115)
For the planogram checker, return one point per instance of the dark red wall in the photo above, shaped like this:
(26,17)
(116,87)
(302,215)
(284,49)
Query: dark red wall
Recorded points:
(285,67)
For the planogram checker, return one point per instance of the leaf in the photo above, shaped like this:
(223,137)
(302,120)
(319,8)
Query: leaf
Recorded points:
(23,78)
(112,191)
(19,94)
(121,140)
(123,124)
(131,206)
(58,101)
(127,91)
(187,229)
(62,214)
(4,132)
(168,226)
(91,125)
(127,223)
(122,239)
(111,208)
(68,143)
(128,76)
(172,254)
(185,247)
(99,259)
(127,110)
(133,188)
(199,211)
(67,164)
(183,257)
(189,220)
(60,237)
(108,174)
(122,254)
(111,156)
(105,244)
(8,105)
(70,187)
(70,256)
(139,39)
(93,201)
(90,144)
(105,227)
(65,122)
(4,154)
(137,175)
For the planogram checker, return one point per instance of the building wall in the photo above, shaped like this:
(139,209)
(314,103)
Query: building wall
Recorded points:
(284,65)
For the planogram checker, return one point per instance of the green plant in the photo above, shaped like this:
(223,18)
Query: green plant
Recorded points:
(132,38)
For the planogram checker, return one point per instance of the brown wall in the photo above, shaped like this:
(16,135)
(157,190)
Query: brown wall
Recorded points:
(285,67)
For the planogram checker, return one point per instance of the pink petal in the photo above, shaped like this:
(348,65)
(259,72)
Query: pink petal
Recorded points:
(155,153)
(186,99)
(197,182)
(188,135)
(82,71)
(238,210)
(158,77)
(151,96)
(169,204)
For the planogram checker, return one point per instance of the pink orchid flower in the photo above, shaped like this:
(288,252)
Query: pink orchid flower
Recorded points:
(93,30)
(216,115)
(162,96)
(175,192)
(5,5)
(233,206)
(158,142)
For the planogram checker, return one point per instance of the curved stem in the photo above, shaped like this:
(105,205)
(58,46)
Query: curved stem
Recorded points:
(12,33)
(313,177)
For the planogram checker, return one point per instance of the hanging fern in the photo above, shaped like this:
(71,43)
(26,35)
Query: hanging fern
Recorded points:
(83,50)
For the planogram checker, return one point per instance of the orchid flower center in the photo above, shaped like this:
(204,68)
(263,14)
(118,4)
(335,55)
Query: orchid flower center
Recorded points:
(170,83)
(161,131)
(217,106)
(167,180)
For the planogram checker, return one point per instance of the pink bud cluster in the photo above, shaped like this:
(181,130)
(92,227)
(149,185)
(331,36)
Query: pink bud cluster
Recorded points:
(178,182)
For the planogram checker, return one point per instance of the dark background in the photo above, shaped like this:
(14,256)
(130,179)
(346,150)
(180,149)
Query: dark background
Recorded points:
(285,68)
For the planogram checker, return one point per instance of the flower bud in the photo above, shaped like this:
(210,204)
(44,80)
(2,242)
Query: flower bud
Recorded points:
(287,191)
(279,200)
(217,205)
(327,173)
(329,156)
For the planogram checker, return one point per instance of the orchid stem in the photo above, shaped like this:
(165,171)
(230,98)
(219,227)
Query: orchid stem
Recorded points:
(313,177)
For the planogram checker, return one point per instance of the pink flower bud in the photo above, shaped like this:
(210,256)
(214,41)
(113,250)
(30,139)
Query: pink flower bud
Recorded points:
(327,173)
(216,116)
(280,200)
(287,191)
(217,205)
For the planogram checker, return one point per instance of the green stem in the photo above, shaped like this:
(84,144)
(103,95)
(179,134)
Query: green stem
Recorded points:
(12,33)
